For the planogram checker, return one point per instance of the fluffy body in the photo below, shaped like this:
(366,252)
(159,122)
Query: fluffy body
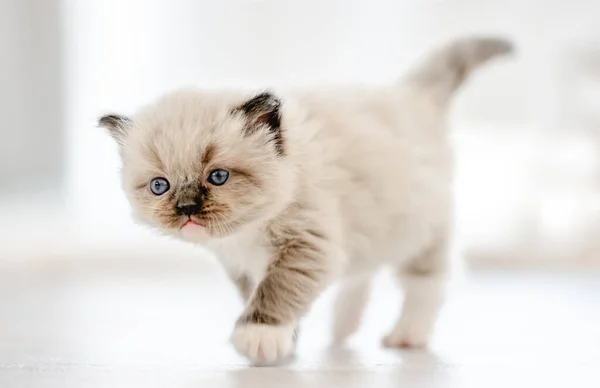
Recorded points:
(324,185)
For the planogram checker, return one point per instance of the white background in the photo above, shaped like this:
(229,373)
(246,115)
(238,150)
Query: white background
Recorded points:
(526,140)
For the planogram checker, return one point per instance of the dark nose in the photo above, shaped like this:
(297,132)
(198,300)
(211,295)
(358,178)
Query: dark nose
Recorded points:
(188,210)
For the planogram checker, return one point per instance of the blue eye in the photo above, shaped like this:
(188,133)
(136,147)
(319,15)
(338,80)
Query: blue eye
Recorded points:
(159,186)
(218,177)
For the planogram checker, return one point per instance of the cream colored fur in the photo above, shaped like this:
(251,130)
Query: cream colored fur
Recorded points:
(364,180)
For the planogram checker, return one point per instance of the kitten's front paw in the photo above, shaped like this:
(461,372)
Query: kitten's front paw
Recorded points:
(263,344)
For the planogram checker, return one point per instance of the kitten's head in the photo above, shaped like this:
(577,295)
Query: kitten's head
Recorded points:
(204,164)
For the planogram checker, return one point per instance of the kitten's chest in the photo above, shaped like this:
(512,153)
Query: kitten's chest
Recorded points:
(243,253)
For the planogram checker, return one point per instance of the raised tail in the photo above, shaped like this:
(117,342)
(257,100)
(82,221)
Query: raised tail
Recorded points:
(446,69)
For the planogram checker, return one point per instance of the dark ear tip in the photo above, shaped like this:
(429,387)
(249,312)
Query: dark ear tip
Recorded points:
(118,126)
(112,121)
(271,99)
(261,106)
(268,95)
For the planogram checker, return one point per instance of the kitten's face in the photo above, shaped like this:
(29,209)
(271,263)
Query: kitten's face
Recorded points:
(201,165)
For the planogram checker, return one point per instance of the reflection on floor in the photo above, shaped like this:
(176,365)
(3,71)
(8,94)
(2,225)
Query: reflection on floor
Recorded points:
(148,328)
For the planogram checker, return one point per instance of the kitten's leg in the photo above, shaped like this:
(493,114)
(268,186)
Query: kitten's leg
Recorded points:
(349,305)
(424,282)
(300,269)
(244,285)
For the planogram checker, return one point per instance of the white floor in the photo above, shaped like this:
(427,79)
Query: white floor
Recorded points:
(132,326)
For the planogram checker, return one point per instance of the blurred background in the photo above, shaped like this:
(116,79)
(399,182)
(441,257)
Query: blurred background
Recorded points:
(526,129)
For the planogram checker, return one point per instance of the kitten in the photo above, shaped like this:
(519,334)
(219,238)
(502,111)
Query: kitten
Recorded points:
(296,190)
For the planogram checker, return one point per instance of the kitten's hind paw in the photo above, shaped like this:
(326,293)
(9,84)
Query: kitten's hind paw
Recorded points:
(404,337)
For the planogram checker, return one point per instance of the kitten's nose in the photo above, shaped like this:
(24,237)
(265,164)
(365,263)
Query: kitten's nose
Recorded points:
(188,210)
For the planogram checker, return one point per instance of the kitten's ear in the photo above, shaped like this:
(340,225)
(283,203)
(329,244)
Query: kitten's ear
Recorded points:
(262,109)
(118,126)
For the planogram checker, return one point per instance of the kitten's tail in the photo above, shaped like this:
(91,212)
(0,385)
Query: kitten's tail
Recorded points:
(446,69)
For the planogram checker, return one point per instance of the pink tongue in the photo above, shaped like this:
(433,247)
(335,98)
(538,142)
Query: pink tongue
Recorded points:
(192,224)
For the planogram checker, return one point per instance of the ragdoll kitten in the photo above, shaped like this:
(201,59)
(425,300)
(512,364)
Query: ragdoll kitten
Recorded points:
(296,190)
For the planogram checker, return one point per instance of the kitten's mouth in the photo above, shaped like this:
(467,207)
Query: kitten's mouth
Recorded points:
(191,224)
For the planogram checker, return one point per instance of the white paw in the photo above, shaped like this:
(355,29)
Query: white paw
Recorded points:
(408,336)
(263,344)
